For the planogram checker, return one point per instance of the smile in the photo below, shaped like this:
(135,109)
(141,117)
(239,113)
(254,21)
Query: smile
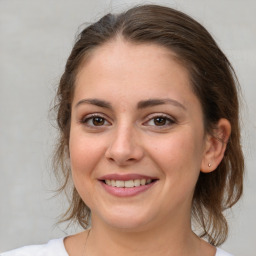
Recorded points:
(128,183)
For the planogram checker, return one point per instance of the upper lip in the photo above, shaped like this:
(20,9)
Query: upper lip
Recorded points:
(125,177)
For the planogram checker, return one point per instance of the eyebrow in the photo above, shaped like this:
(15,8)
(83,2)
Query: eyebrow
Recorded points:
(140,105)
(156,102)
(96,102)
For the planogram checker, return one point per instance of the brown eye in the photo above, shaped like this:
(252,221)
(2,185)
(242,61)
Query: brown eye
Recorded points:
(95,121)
(98,121)
(159,121)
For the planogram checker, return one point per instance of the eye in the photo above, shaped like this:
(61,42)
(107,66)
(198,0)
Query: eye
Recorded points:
(161,121)
(95,120)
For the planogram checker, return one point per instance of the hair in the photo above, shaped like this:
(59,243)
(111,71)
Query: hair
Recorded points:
(213,81)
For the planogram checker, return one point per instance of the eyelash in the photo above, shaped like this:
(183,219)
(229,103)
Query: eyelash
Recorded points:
(167,120)
(88,118)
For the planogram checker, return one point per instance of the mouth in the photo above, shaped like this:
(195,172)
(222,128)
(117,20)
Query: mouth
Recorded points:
(127,185)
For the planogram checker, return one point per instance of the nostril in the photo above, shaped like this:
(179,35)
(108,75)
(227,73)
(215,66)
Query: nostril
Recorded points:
(131,159)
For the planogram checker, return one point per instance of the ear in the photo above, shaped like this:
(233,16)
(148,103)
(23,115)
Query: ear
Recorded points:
(215,146)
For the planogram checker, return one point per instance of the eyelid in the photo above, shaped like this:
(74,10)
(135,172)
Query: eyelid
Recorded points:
(171,119)
(159,114)
(87,117)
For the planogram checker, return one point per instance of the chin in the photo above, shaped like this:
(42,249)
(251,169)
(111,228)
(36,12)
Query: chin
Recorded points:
(127,225)
(126,219)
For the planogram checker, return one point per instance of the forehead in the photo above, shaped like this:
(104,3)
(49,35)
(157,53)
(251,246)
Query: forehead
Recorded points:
(120,51)
(127,69)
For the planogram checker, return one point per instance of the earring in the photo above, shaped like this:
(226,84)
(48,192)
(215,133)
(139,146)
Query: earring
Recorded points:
(209,165)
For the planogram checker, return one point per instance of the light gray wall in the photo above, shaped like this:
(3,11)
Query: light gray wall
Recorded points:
(35,40)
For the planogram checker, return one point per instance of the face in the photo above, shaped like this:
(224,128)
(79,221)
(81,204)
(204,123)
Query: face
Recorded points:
(137,137)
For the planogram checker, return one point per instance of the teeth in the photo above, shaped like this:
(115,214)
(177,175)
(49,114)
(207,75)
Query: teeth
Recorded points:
(148,181)
(136,183)
(143,181)
(119,183)
(128,183)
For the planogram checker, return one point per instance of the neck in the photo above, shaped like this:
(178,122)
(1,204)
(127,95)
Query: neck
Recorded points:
(173,238)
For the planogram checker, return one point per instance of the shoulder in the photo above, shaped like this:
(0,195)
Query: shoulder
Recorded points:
(220,252)
(52,248)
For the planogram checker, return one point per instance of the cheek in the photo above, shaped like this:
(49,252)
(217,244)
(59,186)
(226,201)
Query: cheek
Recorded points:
(179,156)
(85,153)
(179,148)
(180,166)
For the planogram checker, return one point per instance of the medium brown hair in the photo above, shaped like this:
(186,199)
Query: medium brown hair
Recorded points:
(213,81)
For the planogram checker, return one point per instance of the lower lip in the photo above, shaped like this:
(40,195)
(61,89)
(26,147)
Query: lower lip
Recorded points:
(126,192)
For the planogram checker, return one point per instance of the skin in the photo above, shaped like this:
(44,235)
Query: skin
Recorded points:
(127,139)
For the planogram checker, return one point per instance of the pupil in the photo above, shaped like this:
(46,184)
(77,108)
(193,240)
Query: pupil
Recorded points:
(160,121)
(98,121)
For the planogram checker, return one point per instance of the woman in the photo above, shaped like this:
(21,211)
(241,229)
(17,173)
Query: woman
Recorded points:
(149,131)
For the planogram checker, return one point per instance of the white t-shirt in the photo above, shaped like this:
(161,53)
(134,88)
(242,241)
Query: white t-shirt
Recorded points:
(56,248)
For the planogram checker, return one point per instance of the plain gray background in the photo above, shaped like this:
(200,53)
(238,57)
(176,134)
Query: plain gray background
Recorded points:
(36,37)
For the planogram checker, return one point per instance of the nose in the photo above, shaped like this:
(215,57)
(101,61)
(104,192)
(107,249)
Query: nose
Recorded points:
(124,147)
